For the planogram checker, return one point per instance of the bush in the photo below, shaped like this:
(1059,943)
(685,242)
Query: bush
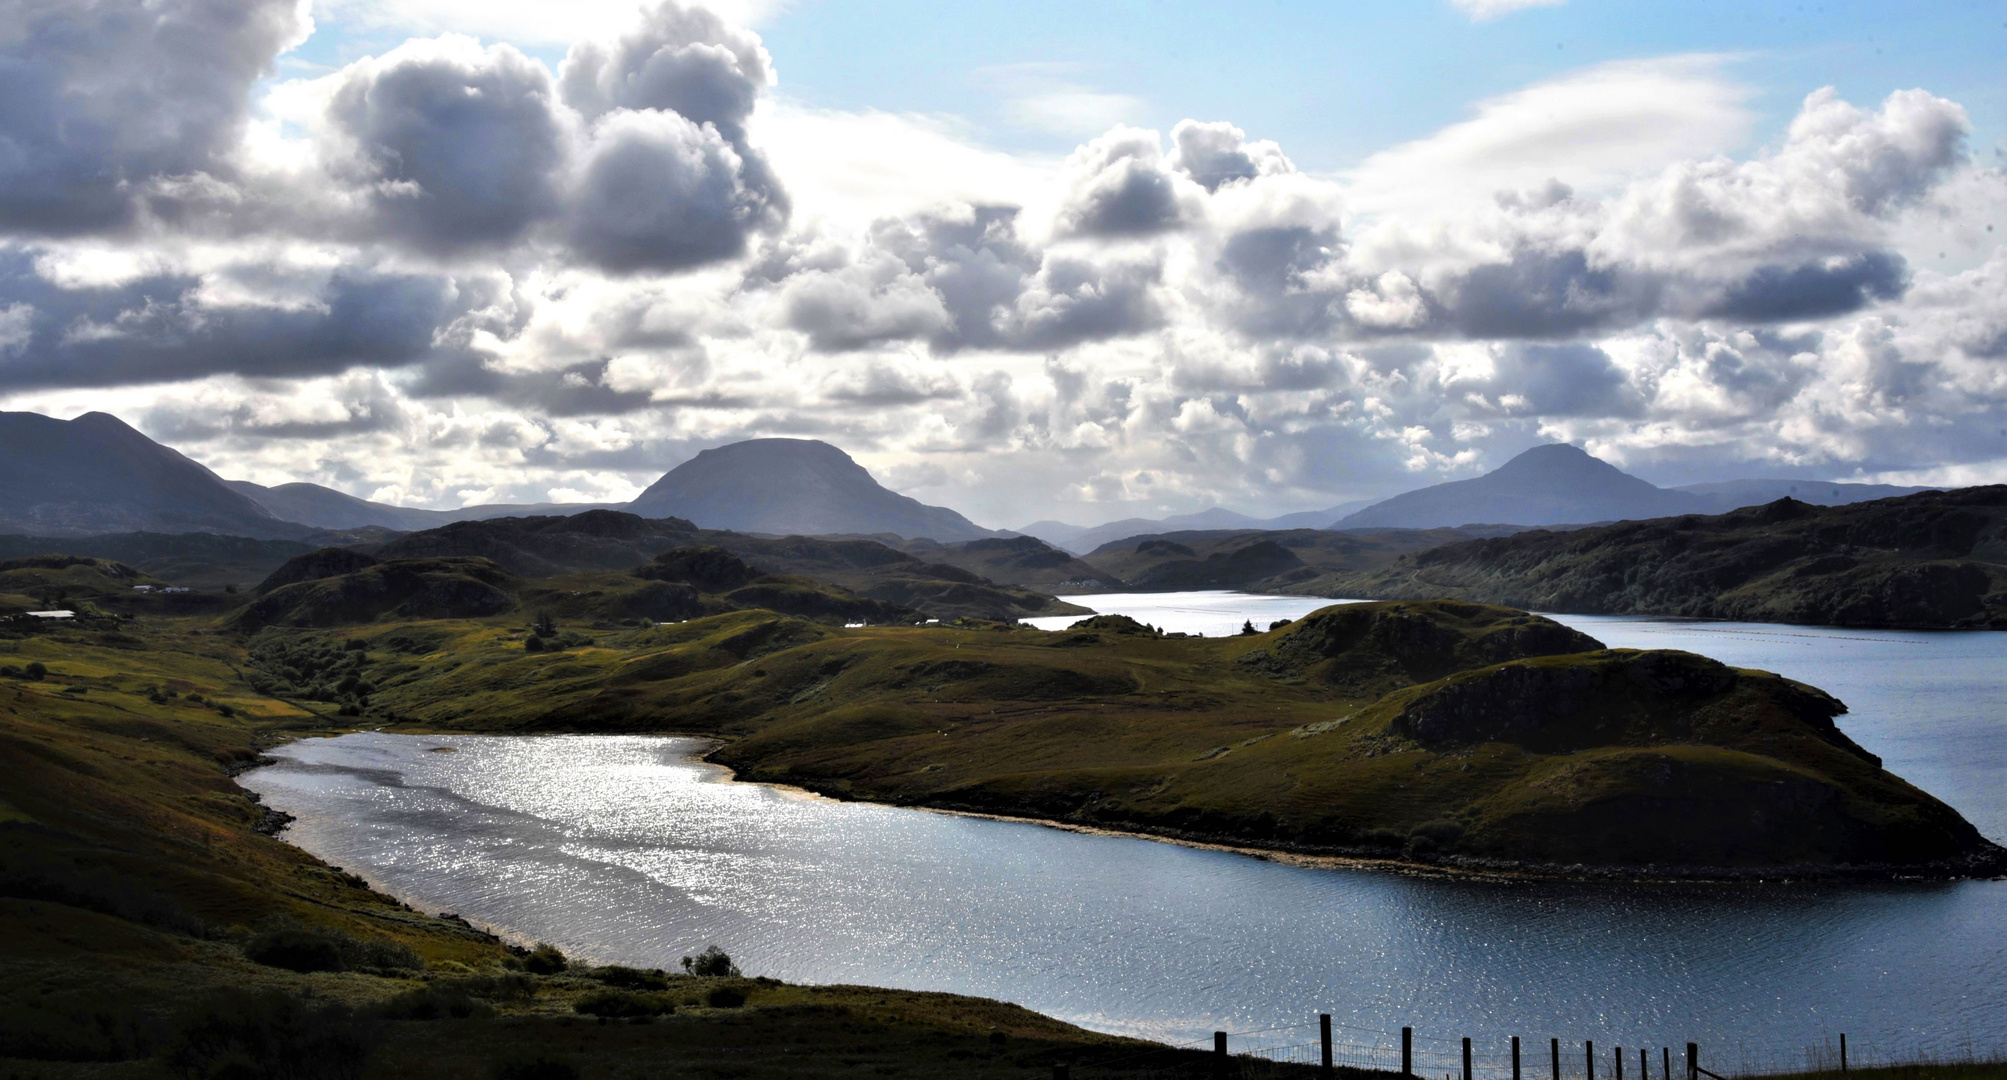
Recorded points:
(622,1005)
(1280,623)
(725,997)
(1247,628)
(296,949)
(1382,838)
(236,1033)
(35,670)
(545,959)
(533,643)
(437,1002)
(537,1068)
(497,987)
(627,978)
(712,962)
(288,945)
(1441,831)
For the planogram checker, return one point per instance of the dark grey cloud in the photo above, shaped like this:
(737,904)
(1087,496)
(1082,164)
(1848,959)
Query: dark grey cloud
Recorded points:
(574,390)
(1121,187)
(1212,154)
(1565,381)
(684,60)
(671,180)
(100,97)
(457,148)
(1814,290)
(160,329)
(657,192)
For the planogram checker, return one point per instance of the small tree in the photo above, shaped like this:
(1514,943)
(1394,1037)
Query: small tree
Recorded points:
(544,625)
(712,962)
(1247,628)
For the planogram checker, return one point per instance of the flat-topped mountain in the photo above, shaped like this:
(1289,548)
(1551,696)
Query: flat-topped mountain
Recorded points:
(793,487)
(95,474)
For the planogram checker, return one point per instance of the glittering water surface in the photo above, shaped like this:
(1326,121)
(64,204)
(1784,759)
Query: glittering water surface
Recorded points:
(627,849)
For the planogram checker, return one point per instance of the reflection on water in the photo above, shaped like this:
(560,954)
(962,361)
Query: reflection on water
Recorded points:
(627,849)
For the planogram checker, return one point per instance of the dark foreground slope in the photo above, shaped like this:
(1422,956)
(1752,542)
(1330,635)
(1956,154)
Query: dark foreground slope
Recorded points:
(153,927)
(1936,559)
(1263,560)
(1433,731)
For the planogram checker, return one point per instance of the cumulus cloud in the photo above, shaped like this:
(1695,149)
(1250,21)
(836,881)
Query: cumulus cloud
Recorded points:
(456,146)
(450,271)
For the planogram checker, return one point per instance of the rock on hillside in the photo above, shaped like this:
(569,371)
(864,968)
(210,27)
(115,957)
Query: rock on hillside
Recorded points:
(793,486)
(1555,484)
(1936,559)
(94,474)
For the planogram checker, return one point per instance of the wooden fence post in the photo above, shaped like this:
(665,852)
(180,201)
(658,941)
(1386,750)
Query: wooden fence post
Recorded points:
(1554,1047)
(1466,1057)
(1589,1059)
(1843,1051)
(1692,1061)
(1324,1039)
(1515,1057)
(1407,1051)
(1665,1063)
(1619,1055)
(1219,1053)
(1645,1065)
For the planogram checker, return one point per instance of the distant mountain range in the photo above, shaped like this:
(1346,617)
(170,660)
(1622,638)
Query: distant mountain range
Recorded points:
(95,475)
(1556,484)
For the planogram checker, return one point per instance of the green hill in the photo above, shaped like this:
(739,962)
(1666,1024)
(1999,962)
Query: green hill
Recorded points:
(1935,559)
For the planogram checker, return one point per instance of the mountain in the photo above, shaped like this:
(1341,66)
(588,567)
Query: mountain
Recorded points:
(1556,484)
(326,508)
(793,487)
(1934,559)
(94,474)
(1734,494)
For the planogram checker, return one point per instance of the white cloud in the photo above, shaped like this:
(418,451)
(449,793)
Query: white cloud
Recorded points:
(1591,129)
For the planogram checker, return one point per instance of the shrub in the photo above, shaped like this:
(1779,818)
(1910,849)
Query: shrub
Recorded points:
(285,944)
(35,670)
(622,1005)
(544,625)
(1247,628)
(712,962)
(537,1068)
(436,1002)
(725,997)
(1382,838)
(627,978)
(1280,623)
(497,987)
(533,643)
(1442,831)
(236,1033)
(545,959)
(9,671)
(296,949)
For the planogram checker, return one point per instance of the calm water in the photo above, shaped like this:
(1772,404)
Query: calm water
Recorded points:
(626,849)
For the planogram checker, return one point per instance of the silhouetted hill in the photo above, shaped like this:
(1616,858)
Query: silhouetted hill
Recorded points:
(1083,539)
(1555,484)
(1262,560)
(94,474)
(1936,559)
(793,486)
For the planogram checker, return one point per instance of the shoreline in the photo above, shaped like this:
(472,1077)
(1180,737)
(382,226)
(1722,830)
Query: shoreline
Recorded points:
(1983,866)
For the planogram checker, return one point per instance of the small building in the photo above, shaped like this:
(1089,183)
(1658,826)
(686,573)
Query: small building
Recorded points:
(53,614)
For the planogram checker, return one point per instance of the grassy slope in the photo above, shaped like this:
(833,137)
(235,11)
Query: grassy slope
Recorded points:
(1937,559)
(132,872)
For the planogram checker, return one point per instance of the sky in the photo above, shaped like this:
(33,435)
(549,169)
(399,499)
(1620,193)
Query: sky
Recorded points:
(1081,261)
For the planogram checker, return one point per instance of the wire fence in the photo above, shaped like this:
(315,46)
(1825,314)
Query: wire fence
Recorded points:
(1304,1050)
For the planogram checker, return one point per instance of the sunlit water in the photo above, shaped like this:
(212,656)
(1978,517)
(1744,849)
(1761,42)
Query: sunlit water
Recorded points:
(627,849)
